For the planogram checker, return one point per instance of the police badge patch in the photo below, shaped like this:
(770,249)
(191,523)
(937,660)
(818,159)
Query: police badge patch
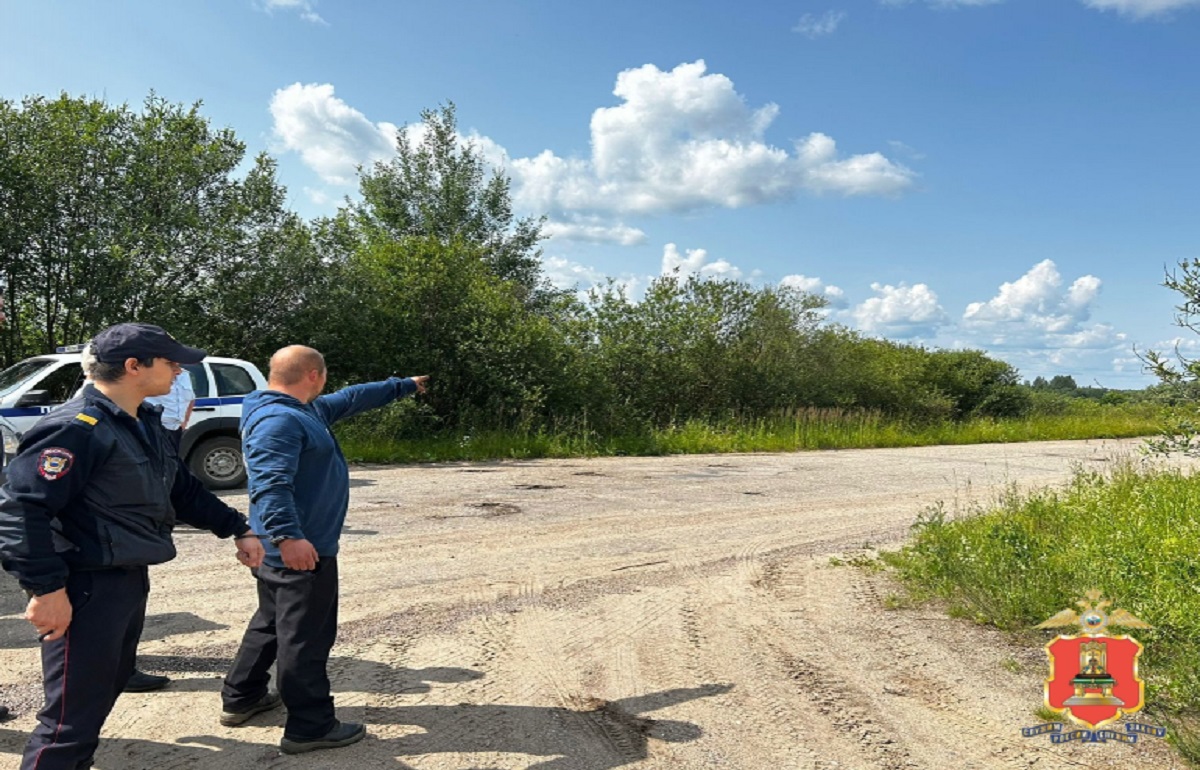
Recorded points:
(54,463)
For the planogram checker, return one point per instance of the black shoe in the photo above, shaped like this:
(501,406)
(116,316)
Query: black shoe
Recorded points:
(267,702)
(3,713)
(143,682)
(342,734)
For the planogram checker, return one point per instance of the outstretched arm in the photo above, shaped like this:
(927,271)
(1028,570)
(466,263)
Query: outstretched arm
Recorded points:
(357,399)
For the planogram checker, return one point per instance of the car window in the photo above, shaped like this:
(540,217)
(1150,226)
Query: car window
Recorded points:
(199,379)
(232,380)
(62,382)
(13,377)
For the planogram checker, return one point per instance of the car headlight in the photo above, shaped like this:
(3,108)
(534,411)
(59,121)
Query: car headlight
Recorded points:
(10,440)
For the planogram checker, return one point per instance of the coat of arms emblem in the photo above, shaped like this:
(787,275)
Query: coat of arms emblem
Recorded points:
(1093,678)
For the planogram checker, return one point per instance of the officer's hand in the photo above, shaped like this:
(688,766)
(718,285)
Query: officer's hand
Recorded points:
(50,614)
(298,554)
(421,381)
(249,552)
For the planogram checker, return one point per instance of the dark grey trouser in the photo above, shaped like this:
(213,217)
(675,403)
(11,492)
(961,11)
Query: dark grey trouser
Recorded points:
(295,627)
(85,670)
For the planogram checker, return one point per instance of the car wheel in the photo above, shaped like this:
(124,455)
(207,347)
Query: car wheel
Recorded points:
(218,463)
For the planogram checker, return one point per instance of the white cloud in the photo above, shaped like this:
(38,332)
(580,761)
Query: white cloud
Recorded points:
(1043,328)
(303,7)
(685,139)
(1140,9)
(696,263)
(832,294)
(901,312)
(594,230)
(1034,310)
(813,26)
(332,137)
(679,141)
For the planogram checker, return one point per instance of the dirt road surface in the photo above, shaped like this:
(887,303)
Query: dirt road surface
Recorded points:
(678,612)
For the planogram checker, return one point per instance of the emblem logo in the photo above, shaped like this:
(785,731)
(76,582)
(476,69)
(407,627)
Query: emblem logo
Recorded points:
(1094,675)
(54,463)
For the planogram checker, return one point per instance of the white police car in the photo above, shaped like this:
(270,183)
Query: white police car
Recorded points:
(210,445)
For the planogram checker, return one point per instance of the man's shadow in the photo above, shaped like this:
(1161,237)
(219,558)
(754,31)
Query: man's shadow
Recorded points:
(599,735)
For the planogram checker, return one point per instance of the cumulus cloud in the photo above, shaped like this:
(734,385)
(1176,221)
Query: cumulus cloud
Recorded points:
(696,262)
(594,230)
(1035,307)
(814,26)
(1140,9)
(832,294)
(680,140)
(901,312)
(1042,323)
(685,139)
(304,7)
(332,137)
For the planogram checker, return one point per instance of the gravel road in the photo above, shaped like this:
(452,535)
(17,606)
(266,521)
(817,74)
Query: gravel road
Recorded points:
(677,612)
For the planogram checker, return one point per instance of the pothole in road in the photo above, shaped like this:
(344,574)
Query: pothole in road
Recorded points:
(491,510)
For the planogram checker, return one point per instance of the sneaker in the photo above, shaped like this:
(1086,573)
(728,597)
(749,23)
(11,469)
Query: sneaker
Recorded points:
(3,713)
(342,734)
(143,682)
(267,702)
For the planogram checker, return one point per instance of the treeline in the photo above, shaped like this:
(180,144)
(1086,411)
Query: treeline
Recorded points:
(111,214)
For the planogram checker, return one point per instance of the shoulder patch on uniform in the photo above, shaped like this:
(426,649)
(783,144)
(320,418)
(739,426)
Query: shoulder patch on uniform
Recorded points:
(54,463)
(85,417)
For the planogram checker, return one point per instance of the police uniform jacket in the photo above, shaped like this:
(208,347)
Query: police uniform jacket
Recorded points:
(90,488)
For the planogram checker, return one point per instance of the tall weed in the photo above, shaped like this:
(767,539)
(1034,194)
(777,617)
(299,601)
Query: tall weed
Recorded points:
(1132,533)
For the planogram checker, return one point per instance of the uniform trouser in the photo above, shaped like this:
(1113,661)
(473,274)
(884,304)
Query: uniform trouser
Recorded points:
(85,670)
(295,626)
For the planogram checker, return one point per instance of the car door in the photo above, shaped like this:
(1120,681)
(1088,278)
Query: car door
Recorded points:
(233,384)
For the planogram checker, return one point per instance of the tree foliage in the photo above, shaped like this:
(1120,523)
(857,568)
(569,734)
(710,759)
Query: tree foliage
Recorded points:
(1179,376)
(438,185)
(109,214)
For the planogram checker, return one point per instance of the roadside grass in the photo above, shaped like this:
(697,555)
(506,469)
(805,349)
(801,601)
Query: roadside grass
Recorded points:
(1133,533)
(389,438)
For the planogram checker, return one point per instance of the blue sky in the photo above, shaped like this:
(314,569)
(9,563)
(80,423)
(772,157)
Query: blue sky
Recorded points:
(1010,175)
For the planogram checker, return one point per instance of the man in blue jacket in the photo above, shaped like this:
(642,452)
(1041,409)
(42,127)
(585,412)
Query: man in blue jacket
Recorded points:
(89,502)
(299,487)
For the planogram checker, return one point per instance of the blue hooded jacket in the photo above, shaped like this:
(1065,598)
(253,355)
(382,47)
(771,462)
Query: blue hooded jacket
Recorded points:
(298,479)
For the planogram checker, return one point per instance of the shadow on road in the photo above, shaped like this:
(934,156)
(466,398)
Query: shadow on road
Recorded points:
(599,735)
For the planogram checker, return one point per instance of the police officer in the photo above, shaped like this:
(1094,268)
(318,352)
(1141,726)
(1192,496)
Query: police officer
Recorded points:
(89,503)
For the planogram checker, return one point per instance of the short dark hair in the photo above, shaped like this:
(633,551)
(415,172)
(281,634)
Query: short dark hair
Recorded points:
(102,371)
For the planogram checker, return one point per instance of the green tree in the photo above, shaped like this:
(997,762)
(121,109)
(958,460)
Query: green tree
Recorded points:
(111,215)
(427,306)
(1179,376)
(439,186)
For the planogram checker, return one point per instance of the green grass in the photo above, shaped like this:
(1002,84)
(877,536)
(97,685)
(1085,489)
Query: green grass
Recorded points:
(375,440)
(1133,534)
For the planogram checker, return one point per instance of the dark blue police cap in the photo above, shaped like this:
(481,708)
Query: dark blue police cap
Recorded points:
(141,341)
